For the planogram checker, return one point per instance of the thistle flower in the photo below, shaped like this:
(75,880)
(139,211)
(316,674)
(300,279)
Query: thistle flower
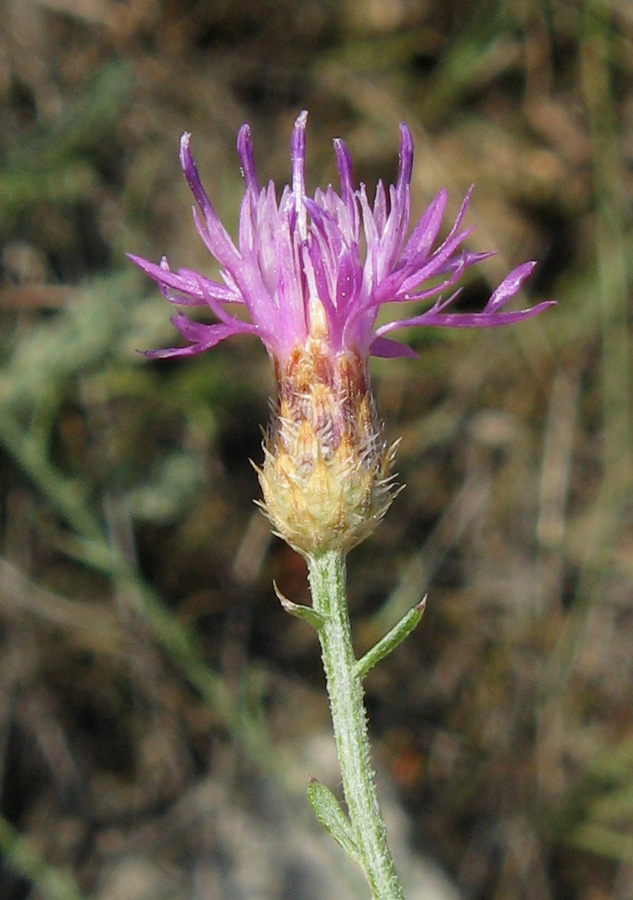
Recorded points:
(312,274)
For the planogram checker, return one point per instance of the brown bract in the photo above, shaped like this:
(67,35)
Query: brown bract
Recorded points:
(326,473)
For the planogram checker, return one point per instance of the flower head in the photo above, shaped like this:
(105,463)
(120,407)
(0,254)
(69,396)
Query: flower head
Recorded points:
(311,274)
(326,263)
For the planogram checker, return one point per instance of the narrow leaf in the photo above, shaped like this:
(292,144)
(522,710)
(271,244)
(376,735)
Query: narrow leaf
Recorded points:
(392,639)
(328,812)
(307,613)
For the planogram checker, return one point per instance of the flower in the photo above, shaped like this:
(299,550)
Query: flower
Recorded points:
(312,274)
(299,262)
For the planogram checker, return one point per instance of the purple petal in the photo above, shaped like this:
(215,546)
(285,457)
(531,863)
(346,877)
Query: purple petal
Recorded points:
(317,277)
(466,320)
(247,159)
(466,259)
(194,287)
(216,308)
(298,159)
(203,337)
(387,349)
(345,171)
(380,207)
(214,235)
(509,286)
(405,168)
(425,232)
(347,282)
(290,283)
(401,285)
(419,296)
(393,234)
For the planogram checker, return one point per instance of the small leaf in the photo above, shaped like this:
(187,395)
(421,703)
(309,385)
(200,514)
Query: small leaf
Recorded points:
(392,639)
(307,613)
(328,812)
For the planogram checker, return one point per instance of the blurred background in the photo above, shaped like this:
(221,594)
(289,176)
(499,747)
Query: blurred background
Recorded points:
(159,714)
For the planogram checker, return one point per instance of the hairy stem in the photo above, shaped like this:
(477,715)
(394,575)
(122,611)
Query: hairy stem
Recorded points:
(344,685)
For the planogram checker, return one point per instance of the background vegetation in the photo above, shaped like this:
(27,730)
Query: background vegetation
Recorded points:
(159,714)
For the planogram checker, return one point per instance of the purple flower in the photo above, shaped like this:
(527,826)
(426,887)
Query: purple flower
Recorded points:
(325,265)
(313,274)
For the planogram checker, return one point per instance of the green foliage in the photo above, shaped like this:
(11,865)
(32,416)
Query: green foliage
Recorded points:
(58,165)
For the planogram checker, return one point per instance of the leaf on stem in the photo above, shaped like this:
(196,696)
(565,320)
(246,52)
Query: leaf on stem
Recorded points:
(392,639)
(328,812)
(307,613)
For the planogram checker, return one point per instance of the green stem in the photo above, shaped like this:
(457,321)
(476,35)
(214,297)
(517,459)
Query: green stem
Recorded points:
(349,718)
